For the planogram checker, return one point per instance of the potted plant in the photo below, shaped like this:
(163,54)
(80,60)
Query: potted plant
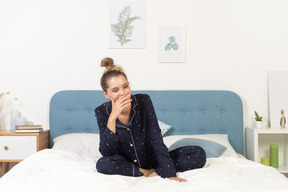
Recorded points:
(259,122)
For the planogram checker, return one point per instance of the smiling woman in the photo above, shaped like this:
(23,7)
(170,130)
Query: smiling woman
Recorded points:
(130,138)
(116,88)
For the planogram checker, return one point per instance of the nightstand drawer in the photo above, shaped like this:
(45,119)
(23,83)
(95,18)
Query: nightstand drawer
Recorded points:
(17,147)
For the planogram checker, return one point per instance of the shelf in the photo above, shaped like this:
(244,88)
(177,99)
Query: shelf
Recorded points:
(258,141)
(270,130)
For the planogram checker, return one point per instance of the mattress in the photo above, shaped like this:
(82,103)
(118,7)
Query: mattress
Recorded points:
(58,170)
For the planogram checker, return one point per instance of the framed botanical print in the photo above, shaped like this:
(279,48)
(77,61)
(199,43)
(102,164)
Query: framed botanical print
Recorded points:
(127,24)
(171,45)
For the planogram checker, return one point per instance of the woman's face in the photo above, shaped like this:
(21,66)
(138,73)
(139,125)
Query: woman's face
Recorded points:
(117,87)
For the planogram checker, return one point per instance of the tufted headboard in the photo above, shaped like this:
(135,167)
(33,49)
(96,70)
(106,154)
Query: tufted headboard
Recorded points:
(189,112)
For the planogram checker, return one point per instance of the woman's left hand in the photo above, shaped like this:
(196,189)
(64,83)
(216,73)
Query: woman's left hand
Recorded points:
(178,179)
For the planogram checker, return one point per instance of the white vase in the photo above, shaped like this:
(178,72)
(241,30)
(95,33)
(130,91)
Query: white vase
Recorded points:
(259,124)
(14,114)
(2,120)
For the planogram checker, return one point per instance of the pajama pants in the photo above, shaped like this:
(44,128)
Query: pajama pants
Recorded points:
(185,158)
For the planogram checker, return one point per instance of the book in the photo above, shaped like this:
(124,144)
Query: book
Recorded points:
(28,126)
(39,130)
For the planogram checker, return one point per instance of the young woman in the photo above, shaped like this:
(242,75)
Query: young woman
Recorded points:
(130,138)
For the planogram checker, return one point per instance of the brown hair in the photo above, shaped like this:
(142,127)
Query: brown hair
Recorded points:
(111,70)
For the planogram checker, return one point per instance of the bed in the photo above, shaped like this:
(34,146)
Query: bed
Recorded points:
(212,119)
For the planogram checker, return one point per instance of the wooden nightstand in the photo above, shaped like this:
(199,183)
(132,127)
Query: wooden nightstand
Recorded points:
(14,147)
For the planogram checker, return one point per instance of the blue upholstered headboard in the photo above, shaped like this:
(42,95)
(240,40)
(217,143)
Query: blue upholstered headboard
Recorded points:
(189,112)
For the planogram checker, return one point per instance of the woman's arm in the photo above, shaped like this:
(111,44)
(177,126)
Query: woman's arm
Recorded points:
(107,124)
(108,139)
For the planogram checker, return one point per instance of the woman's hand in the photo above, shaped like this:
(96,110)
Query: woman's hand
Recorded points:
(178,179)
(119,105)
(117,108)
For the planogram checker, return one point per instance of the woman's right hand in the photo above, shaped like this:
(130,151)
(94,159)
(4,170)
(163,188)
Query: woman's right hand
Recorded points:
(178,179)
(118,106)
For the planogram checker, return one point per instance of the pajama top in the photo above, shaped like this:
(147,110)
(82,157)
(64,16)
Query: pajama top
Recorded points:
(140,141)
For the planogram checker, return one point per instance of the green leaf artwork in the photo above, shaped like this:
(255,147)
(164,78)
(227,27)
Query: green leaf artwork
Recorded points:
(123,29)
(172,44)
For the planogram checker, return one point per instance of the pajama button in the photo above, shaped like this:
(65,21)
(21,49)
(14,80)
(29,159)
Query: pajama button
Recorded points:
(135,161)
(131,145)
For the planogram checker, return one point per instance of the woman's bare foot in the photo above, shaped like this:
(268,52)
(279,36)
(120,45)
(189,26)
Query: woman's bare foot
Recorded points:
(153,174)
(148,172)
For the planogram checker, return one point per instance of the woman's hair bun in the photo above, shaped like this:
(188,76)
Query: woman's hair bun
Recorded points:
(107,62)
(111,70)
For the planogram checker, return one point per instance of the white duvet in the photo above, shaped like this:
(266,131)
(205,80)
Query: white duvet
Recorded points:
(59,171)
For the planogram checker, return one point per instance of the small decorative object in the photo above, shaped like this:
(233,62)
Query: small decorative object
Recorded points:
(2,120)
(274,156)
(127,24)
(171,48)
(14,115)
(265,161)
(282,119)
(19,121)
(259,122)
(5,101)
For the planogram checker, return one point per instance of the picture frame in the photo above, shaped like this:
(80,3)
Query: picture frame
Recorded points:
(171,45)
(278,94)
(127,25)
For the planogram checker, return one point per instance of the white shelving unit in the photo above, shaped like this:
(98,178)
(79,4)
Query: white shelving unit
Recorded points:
(258,141)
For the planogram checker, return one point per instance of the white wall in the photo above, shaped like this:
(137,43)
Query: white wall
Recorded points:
(48,46)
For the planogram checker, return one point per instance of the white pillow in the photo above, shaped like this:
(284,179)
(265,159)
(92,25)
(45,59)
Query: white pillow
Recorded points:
(88,143)
(218,138)
(81,143)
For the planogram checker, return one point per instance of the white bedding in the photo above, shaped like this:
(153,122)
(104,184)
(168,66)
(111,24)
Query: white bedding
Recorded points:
(56,171)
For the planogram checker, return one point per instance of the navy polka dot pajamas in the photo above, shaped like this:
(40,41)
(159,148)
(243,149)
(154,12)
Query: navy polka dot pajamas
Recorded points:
(139,144)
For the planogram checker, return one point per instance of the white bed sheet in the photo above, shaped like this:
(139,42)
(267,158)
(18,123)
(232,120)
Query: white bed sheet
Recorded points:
(56,171)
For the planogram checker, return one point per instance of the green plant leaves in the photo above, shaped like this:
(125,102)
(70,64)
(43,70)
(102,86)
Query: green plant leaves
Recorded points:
(123,28)
(172,39)
(172,44)
(257,117)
